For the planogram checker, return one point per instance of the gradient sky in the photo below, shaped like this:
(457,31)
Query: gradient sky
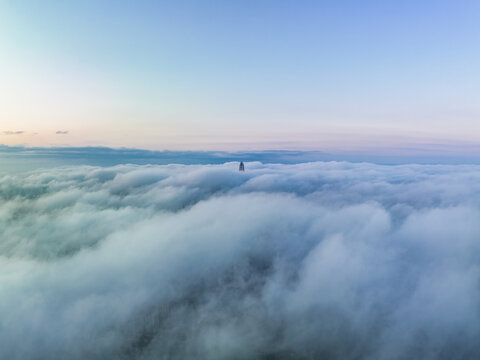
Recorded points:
(264,74)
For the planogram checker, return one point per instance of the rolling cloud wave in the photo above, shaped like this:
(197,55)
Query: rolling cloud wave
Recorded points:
(308,261)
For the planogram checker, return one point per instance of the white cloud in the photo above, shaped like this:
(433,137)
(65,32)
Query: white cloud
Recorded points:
(318,260)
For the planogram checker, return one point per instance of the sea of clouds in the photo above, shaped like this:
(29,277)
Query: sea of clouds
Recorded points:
(324,260)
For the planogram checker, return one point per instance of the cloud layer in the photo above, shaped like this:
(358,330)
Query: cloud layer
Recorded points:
(17,132)
(308,261)
(20,158)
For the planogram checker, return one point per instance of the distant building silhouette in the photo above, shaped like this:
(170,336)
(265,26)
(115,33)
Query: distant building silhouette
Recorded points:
(241,167)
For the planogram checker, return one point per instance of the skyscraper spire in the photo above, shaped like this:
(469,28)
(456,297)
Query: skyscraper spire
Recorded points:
(241,167)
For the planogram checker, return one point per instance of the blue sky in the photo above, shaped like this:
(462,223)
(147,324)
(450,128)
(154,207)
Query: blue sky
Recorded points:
(341,76)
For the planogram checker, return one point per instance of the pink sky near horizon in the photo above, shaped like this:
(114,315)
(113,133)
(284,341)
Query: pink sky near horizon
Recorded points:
(335,143)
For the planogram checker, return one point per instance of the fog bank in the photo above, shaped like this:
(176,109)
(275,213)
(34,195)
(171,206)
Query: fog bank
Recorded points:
(323,260)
